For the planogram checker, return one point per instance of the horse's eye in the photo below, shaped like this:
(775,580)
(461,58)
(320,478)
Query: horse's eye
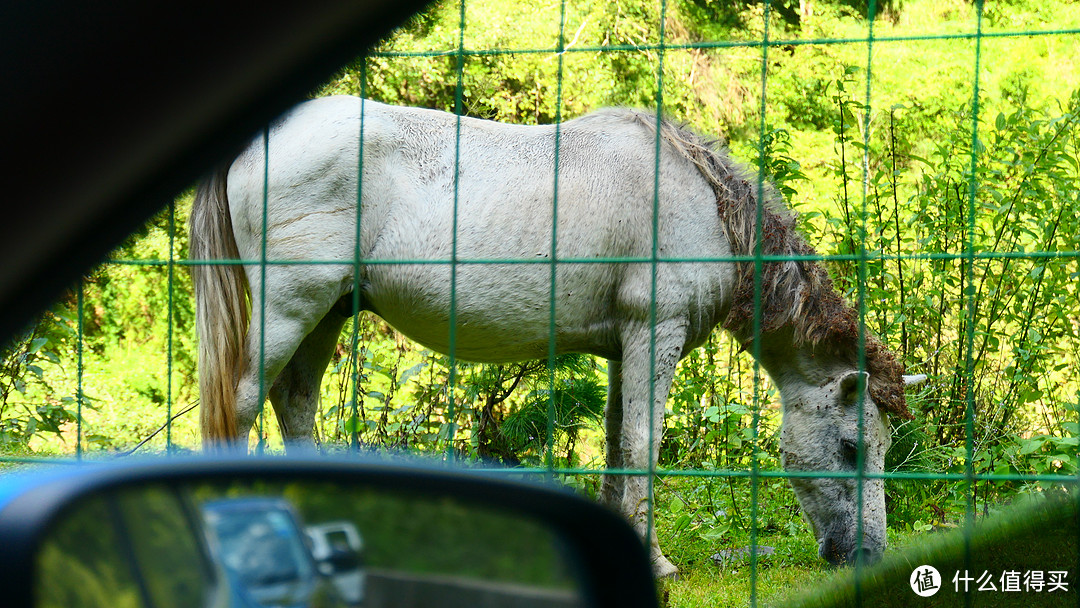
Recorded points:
(850,452)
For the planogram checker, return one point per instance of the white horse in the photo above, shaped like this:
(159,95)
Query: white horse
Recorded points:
(438,189)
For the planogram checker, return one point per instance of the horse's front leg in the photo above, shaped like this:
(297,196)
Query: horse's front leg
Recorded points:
(648,366)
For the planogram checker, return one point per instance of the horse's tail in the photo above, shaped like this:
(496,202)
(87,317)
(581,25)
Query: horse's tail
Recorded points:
(221,308)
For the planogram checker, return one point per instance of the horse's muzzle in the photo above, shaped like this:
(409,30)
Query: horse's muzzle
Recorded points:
(836,555)
(864,556)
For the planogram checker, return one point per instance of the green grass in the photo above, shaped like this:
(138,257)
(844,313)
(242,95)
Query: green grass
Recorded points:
(792,571)
(704,525)
(718,588)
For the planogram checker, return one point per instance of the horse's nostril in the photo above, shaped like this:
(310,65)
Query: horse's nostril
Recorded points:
(830,552)
(864,556)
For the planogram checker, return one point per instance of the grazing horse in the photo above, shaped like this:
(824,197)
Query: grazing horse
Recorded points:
(653,242)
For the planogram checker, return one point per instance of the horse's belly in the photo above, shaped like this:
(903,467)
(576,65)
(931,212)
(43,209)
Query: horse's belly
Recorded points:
(498,312)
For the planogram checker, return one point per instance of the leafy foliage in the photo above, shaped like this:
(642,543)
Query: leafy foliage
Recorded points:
(29,364)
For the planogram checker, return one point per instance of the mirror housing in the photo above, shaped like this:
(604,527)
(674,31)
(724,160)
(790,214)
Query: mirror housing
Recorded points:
(598,549)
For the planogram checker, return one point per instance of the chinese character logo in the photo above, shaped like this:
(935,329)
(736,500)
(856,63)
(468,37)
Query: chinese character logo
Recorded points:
(925,581)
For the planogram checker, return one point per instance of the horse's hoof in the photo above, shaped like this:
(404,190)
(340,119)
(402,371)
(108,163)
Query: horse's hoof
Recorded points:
(662,568)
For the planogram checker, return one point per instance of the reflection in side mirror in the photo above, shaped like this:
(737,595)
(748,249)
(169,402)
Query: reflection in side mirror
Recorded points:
(128,548)
(338,548)
(258,541)
(299,540)
(434,546)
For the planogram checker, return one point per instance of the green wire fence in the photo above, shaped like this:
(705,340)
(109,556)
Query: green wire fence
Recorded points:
(963,259)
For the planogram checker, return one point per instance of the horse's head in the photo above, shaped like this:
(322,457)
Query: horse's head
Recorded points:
(821,434)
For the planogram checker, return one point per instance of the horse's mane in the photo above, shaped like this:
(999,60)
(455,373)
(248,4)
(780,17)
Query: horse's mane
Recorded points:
(796,294)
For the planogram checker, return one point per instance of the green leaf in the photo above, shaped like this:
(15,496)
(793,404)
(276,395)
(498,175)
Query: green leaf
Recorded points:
(353,425)
(715,534)
(682,522)
(1028,446)
(37,344)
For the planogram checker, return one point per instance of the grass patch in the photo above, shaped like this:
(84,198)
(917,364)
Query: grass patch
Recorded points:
(793,570)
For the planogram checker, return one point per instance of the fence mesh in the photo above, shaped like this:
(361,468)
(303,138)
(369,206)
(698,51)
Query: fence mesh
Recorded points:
(967,253)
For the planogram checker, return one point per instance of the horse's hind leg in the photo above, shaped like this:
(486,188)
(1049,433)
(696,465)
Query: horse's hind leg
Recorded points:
(648,367)
(611,488)
(294,308)
(295,393)
(263,362)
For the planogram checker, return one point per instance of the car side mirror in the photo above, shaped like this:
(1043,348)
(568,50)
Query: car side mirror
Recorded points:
(256,532)
(341,560)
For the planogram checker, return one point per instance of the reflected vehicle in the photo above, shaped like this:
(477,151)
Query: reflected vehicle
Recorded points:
(262,547)
(337,547)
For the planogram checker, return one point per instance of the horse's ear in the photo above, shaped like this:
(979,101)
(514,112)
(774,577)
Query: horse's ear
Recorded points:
(912,380)
(849,386)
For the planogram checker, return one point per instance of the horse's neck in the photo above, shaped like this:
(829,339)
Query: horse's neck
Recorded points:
(791,367)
